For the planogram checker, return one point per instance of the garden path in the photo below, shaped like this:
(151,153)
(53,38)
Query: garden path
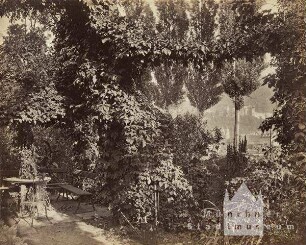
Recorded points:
(67,228)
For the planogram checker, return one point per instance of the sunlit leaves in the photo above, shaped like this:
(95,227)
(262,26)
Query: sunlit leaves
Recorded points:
(241,78)
(173,188)
(43,107)
(26,74)
(289,81)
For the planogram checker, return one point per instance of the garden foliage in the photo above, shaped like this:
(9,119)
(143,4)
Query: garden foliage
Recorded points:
(91,88)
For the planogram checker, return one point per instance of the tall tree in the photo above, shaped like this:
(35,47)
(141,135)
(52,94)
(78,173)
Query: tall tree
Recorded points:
(28,90)
(204,86)
(203,14)
(173,21)
(173,26)
(240,79)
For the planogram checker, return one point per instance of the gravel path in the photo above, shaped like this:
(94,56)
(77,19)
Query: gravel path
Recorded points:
(68,233)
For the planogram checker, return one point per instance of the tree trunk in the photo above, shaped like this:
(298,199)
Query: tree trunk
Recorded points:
(236,128)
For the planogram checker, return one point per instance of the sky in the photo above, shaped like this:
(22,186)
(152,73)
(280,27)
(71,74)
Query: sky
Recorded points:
(4,23)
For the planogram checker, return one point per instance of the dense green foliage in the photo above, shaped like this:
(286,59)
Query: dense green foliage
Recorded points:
(27,83)
(191,140)
(282,183)
(288,82)
(241,79)
(91,89)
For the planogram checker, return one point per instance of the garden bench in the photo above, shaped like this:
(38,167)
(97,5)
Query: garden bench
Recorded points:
(78,192)
(57,175)
(63,187)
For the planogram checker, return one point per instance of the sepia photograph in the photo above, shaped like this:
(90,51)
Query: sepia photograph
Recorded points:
(152,122)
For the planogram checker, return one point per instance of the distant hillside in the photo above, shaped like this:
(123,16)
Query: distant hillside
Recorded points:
(257,107)
(260,99)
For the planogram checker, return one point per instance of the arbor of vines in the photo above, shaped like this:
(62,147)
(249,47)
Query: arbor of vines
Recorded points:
(98,85)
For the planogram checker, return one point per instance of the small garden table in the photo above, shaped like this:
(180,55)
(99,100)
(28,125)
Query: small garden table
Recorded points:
(30,198)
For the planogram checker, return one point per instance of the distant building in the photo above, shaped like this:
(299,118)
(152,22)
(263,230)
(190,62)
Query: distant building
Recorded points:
(228,111)
(226,133)
(222,116)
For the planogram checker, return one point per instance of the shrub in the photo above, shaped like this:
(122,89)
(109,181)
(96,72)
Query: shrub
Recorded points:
(281,179)
(236,159)
(28,159)
(161,191)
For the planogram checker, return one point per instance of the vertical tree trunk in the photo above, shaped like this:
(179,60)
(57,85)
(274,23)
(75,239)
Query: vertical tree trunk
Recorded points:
(236,127)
